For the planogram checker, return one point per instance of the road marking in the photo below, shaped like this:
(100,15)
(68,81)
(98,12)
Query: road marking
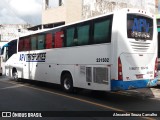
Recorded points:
(79,99)
(11,87)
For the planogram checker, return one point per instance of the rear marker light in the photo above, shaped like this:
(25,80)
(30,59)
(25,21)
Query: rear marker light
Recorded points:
(120,75)
(156,67)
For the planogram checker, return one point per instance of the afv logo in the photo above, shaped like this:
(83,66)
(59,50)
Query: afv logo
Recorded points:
(22,57)
(140,25)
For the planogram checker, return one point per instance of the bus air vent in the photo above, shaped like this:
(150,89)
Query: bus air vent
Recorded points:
(139,46)
(100,75)
(88,74)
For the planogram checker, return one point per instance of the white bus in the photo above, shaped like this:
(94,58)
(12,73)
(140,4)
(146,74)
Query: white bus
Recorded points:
(7,50)
(2,43)
(116,51)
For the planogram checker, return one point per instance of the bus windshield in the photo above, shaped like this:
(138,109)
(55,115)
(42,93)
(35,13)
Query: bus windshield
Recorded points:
(139,27)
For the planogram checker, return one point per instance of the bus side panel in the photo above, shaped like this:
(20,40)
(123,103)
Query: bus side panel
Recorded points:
(54,72)
(114,43)
(94,77)
(14,62)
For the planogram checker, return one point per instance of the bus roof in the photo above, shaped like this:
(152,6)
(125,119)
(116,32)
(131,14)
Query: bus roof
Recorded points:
(128,10)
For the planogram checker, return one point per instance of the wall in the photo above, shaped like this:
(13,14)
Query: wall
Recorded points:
(9,31)
(97,7)
(70,11)
(73,10)
(53,15)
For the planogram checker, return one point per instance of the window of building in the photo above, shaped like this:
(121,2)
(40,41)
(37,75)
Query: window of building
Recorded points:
(158,22)
(53,3)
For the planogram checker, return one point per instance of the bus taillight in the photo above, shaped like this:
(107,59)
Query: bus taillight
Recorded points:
(120,75)
(155,68)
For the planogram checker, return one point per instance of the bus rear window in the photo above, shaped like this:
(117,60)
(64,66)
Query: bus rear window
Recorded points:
(139,27)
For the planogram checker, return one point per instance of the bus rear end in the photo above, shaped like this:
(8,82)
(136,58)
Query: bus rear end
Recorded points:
(137,51)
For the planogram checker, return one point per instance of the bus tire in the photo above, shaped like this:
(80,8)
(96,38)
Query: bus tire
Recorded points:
(67,83)
(15,74)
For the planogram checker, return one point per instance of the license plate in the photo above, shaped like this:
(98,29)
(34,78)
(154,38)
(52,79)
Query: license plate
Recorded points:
(139,76)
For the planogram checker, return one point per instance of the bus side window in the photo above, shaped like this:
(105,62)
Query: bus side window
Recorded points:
(49,40)
(12,48)
(41,39)
(58,41)
(102,30)
(21,45)
(27,45)
(83,35)
(33,43)
(70,37)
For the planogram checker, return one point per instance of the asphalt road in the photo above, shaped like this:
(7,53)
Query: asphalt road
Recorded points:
(37,97)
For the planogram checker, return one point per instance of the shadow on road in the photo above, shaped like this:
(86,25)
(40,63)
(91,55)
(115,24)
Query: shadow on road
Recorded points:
(132,95)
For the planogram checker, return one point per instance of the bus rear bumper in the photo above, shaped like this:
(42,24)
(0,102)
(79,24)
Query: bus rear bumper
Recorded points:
(117,85)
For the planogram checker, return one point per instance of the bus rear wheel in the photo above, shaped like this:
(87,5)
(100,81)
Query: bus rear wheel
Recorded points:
(67,83)
(15,75)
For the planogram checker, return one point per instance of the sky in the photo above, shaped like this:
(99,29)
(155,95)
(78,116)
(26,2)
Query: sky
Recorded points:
(20,11)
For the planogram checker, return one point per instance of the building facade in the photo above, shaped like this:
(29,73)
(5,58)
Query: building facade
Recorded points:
(9,31)
(69,11)
(66,11)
